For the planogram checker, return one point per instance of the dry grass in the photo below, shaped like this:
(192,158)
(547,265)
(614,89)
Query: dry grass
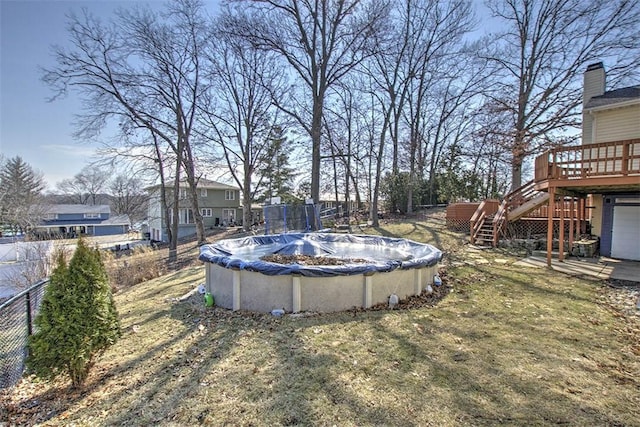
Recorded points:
(506,346)
(144,263)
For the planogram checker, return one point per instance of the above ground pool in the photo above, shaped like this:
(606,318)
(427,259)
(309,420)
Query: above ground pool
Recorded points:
(319,272)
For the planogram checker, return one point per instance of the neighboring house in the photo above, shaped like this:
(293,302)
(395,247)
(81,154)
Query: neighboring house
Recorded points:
(596,182)
(69,221)
(219,205)
(329,207)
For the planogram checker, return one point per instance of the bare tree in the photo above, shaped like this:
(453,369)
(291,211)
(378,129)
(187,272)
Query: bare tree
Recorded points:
(321,40)
(240,112)
(539,59)
(443,115)
(145,68)
(86,185)
(127,197)
(405,69)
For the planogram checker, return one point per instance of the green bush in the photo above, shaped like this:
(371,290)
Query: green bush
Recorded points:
(77,319)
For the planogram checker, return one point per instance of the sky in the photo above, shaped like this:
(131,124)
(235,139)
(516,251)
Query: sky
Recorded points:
(31,127)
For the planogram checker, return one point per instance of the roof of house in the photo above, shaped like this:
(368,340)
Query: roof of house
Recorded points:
(207,183)
(202,183)
(77,209)
(117,220)
(618,96)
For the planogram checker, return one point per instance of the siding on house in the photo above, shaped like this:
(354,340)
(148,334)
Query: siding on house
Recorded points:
(617,124)
(72,220)
(110,230)
(154,216)
(596,214)
(212,196)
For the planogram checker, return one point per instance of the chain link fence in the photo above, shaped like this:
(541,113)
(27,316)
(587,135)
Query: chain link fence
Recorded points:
(16,324)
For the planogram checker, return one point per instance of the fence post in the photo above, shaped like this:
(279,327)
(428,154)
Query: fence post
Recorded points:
(28,303)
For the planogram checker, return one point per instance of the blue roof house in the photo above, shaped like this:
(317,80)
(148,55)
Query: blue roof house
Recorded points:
(70,221)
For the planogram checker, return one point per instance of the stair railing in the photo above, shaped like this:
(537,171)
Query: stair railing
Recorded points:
(511,201)
(499,221)
(476,221)
(486,208)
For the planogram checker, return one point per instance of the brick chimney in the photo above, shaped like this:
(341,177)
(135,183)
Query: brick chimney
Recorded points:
(594,85)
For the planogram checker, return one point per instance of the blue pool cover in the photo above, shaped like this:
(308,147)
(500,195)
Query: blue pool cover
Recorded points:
(374,253)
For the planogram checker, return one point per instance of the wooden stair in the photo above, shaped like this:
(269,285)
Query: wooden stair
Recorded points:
(489,220)
(484,236)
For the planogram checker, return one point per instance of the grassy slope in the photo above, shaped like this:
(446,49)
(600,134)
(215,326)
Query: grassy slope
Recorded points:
(507,346)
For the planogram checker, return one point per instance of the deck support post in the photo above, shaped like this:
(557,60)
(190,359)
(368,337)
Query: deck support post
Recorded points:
(563,205)
(572,222)
(552,201)
(583,215)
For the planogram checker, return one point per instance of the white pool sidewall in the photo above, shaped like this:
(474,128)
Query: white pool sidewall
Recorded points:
(247,290)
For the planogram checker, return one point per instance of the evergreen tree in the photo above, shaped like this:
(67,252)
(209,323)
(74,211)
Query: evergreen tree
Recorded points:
(277,176)
(77,319)
(20,192)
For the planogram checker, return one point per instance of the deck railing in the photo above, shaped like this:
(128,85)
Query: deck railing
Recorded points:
(606,159)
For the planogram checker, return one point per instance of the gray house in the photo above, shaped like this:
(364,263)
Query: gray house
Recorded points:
(219,205)
(70,221)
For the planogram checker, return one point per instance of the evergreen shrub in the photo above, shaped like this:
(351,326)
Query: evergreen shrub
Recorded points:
(77,319)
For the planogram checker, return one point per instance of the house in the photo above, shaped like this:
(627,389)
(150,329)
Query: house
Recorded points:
(332,208)
(70,221)
(219,205)
(597,182)
(611,129)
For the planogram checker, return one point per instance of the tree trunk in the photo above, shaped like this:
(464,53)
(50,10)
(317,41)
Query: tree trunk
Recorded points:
(516,172)
(517,158)
(175,222)
(247,215)
(316,135)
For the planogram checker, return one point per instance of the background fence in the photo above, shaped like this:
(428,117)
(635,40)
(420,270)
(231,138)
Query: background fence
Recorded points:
(16,324)
(291,218)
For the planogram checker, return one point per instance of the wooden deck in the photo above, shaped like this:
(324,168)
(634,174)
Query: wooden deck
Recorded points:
(604,167)
(564,178)
(569,174)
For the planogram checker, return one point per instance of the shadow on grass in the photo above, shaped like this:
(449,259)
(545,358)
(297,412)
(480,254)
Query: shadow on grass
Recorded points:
(214,366)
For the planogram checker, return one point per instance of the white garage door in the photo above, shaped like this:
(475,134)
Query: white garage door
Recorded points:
(625,239)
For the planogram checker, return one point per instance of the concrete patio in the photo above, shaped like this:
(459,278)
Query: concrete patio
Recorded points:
(596,268)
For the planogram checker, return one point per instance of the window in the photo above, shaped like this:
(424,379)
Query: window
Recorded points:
(51,216)
(228,216)
(206,212)
(203,192)
(185,216)
(183,193)
(229,195)
(91,215)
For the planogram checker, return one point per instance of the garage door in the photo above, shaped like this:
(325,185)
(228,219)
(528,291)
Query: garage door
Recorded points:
(625,238)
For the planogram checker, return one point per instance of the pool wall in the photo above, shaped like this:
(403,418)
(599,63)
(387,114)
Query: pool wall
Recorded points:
(238,289)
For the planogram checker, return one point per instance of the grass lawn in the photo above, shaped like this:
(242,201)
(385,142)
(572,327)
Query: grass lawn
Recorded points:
(504,345)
